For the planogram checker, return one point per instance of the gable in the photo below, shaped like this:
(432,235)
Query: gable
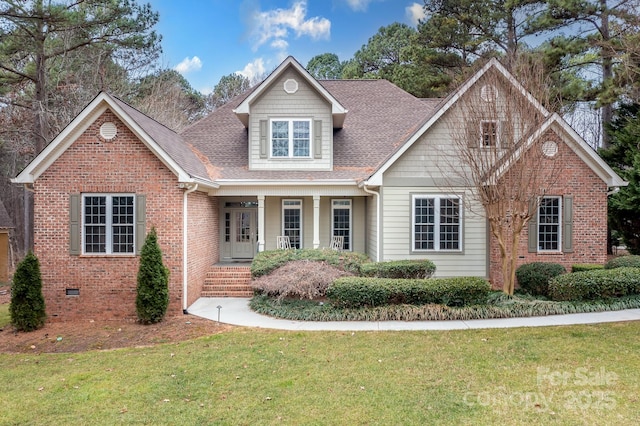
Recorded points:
(165,144)
(506,90)
(243,110)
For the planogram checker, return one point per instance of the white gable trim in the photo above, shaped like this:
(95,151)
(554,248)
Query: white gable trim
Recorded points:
(244,109)
(377,178)
(577,144)
(81,123)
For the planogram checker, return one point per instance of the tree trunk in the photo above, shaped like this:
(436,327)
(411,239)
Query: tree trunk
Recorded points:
(607,71)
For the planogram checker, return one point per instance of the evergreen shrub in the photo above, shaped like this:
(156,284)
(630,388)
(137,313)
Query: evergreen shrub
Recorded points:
(354,292)
(27,308)
(534,277)
(152,297)
(418,269)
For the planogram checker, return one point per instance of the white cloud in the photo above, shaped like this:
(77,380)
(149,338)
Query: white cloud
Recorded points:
(189,64)
(358,5)
(253,70)
(276,25)
(415,13)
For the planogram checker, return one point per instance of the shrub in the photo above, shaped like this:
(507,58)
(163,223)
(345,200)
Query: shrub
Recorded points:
(581,267)
(303,279)
(27,308)
(152,297)
(418,269)
(353,292)
(267,261)
(534,277)
(631,261)
(596,284)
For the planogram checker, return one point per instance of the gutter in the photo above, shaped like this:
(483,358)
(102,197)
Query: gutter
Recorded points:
(185,252)
(377,197)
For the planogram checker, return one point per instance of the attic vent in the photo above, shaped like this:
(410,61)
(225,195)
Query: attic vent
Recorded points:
(488,93)
(550,148)
(291,86)
(108,131)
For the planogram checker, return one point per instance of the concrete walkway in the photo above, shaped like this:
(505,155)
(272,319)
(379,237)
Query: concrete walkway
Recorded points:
(236,311)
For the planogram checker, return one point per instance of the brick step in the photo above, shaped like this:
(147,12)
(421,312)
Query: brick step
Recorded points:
(232,281)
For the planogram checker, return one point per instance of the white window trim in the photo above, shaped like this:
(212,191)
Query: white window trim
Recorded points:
(436,242)
(343,207)
(290,121)
(292,207)
(497,124)
(109,224)
(560,214)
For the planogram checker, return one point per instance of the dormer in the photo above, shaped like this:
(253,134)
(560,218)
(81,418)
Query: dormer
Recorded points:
(290,119)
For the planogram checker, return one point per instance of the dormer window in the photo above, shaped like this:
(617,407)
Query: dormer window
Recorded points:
(291,138)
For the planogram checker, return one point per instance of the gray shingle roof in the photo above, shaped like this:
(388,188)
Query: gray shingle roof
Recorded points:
(171,142)
(381,118)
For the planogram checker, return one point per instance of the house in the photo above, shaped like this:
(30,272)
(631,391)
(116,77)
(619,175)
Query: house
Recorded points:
(296,157)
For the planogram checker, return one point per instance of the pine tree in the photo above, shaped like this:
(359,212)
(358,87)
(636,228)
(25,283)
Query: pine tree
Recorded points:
(27,307)
(152,297)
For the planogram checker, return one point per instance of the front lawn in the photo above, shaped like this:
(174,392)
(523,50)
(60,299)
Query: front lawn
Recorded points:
(587,374)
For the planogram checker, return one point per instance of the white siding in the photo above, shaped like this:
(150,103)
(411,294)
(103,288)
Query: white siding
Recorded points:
(305,103)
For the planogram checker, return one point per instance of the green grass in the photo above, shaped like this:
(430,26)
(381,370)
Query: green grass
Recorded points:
(499,305)
(588,374)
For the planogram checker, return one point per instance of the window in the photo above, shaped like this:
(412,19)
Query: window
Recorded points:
(341,222)
(489,131)
(108,224)
(292,221)
(437,224)
(291,138)
(549,224)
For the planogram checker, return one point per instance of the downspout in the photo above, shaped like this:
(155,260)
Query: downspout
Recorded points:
(185,252)
(377,197)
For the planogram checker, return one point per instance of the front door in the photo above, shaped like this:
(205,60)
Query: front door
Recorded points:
(243,233)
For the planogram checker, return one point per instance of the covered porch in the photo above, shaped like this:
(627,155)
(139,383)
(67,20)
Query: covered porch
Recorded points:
(250,223)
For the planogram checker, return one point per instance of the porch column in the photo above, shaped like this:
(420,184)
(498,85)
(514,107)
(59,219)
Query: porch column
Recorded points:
(316,221)
(260,222)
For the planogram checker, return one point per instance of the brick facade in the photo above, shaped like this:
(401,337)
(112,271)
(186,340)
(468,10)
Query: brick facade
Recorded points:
(202,241)
(589,193)
(107,284)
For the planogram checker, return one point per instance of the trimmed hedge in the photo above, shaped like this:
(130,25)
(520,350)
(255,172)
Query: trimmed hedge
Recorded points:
(267,261)
(417,269)
(631,261)
(534,277)
(581,267)
(355,292)
(597,284)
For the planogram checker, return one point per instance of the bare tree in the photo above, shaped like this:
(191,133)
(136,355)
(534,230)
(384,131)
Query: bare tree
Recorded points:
(501,155)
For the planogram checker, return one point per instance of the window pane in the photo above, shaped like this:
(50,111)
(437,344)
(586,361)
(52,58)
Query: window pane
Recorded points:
(449,224)
(424,224)
(122,224)
(94,224)
(280,138)
(292,226)
(341,225)
(301,138)
(489,133)
(549,224)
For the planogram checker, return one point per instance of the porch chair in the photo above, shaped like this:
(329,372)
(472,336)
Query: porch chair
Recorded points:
(284,243)
(337,243)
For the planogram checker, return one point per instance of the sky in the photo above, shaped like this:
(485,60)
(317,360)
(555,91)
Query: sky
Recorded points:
(205,40)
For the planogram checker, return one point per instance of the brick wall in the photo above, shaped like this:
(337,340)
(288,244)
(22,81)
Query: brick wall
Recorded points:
(202,243)
(589,217)
(107,284)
